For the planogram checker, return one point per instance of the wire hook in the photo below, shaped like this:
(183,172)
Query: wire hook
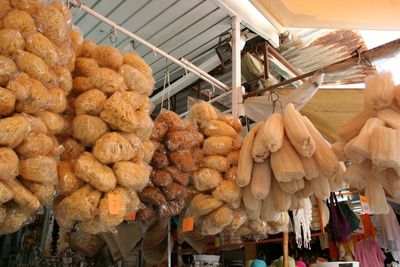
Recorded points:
(113,36)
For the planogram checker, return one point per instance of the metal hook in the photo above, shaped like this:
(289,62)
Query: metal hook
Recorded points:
(113,36)
(273,96)
(132,42)
(154,54)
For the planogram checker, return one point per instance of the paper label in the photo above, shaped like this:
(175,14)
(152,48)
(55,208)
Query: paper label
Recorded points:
(187,224)
(364,204)
(114,204)
(130,217)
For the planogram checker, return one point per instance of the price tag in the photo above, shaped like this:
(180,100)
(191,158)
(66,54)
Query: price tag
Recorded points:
(130,217)
(187,224)
(114,204)
(364,204)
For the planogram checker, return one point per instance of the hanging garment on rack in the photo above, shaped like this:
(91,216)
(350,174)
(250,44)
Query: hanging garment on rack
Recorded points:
(369,228)
(368,253)
(388,233)
(302,221)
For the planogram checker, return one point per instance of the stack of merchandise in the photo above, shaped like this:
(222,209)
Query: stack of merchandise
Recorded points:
(371,140)
(176,157)
(283,161)
(217,204)
(107,150)
(37,57)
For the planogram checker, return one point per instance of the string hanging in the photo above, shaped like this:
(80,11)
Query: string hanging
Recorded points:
(113,36)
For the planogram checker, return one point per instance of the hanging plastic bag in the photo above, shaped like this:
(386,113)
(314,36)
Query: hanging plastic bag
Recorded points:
(341,230)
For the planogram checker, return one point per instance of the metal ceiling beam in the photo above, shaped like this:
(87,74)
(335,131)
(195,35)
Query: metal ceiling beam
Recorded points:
(251,18)
(186,80)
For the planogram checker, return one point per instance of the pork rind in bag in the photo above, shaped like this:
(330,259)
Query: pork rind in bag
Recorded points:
(64,78)
(7,102)
(134,60)
(30,6)
(112,147)
(85,66)
(54,122)
(88,48)
(6,194)
(11,41)
(90,102)
(8,164)
(76,40)
(72,149)
(116,216)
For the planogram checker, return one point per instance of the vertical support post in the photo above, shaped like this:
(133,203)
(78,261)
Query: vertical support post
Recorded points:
(286,248)
(169,245)
(236,67)
(266,63)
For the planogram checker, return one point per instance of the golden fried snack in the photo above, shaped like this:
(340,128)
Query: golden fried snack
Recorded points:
(6,194)
(38,99)
(8,164)
(183,159)
(227,191)
(218,128)
(146,125)
(112,207)
(15,217)
(20,21)
(82,84)
(72,149)
(203,204)
(205,179)
(64,78)
(19,84)
(76,40)
(136,81)
(202,111)
(138,63)
(30,6)
(51,22)
(218,145)
(58,102)
(88,48)
(216,162)
(5,7)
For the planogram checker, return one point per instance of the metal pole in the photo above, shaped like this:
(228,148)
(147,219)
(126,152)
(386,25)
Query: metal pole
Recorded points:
(236,67)
(169,244)
(192,68)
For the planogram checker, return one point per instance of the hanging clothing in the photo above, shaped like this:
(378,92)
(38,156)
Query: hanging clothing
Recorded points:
(369,229)
(388,233)
(302,220)
(368,253)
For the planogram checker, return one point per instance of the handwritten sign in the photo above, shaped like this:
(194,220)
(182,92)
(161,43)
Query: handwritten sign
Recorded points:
(364,204)
(114,204)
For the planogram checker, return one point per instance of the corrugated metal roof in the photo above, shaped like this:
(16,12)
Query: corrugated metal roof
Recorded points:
(183,28)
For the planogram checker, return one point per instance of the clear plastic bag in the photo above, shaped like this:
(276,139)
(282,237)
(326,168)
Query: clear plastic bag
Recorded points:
(160,159)
(76,40)
(64,78)
(88,129)
(13,130)
(35,144)
(171,208)
(58,102)
(119,114)
(39,45)
(206,179)
(173,191)
(6,194)
(11,41)
(72,149)
(239,219)
(112,147)
(92,226)
(227,191)
(52,23)
(20,21)
(38,99)
(81,205)
(22,196)
(85,66)
(146,125)
(115,217)
(68,182)
(40,169)
(132,175)
(7,102)
(90,102)
(5,7)
(82,84)
(109,57)
(218,145)
(216,162)
(178,176)
(180,140)
(107,80)
(8,164)
(43,192)
(8,69)
(15,218)
(203,204)
(183,159)
(54,122)
(202,112)
(135,80)
(134,60)
(30,6)
(88,48)
(98,175)
(152,195)
(161,177)
(33,65)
